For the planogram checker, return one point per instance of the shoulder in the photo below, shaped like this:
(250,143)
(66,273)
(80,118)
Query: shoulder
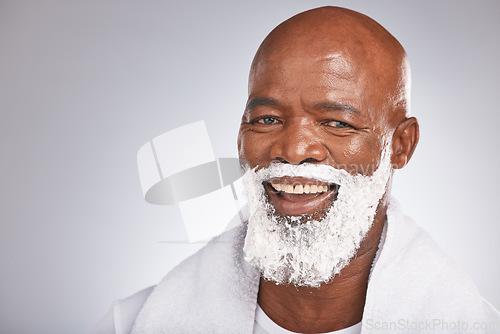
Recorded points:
(214,289)
(416,280)
(122,314)
(182,286)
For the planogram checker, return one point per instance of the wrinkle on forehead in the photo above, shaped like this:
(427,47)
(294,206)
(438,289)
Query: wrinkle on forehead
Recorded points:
(337,66)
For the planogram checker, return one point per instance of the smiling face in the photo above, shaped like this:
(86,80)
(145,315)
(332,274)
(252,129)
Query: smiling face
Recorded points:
(324,97)
(303,109)
(327,87)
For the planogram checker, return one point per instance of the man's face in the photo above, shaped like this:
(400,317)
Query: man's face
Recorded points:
(320,110)
(315,139)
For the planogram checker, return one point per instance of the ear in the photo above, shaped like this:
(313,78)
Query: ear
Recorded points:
(404,142)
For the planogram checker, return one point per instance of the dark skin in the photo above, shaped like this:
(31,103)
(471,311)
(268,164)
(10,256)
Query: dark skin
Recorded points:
(328,86)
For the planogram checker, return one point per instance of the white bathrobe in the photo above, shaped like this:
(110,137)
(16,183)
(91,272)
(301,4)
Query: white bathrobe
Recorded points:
(413,288)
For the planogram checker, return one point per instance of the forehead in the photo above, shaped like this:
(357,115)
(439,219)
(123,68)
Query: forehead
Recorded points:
(309,79)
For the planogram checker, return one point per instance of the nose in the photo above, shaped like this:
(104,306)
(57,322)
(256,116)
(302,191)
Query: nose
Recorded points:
(297,144)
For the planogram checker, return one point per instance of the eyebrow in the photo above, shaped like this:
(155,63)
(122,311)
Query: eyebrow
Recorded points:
(337,106)
(327,105)
(260,101)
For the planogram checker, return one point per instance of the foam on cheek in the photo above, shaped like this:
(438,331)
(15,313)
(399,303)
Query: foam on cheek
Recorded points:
(302,251)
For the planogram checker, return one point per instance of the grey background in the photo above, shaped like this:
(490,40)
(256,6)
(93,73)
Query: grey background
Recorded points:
(83,84)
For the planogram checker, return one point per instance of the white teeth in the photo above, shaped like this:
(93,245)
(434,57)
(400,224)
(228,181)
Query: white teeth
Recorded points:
(300,189)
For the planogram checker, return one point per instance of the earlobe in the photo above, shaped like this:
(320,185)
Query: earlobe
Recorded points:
(404,142)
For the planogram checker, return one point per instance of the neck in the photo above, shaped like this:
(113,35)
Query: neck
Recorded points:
(334,305)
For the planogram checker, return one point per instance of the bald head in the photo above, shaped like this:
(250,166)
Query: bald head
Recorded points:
(357,48)
(329,86)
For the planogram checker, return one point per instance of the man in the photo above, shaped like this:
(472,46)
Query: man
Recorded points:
(325,249)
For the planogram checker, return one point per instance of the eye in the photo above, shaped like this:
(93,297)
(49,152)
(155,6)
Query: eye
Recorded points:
(338,124)
(267,120)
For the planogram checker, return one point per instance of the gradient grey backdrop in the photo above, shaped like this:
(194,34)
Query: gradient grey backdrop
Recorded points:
(83,84)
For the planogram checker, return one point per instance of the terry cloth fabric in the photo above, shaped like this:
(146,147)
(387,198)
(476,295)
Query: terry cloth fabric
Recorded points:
(122,313)
(413,288)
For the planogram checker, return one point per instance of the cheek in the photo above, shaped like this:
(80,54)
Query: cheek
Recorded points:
(253,148)
(357,155)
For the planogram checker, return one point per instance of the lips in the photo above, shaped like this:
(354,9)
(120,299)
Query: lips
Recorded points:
(296,196)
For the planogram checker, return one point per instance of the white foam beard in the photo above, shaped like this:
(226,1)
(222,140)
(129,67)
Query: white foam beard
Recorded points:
(298,249)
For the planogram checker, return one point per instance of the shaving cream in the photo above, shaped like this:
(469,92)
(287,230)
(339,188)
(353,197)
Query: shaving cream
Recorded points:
(303,251)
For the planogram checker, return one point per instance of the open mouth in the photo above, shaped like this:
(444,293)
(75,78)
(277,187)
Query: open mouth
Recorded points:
(296,196)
